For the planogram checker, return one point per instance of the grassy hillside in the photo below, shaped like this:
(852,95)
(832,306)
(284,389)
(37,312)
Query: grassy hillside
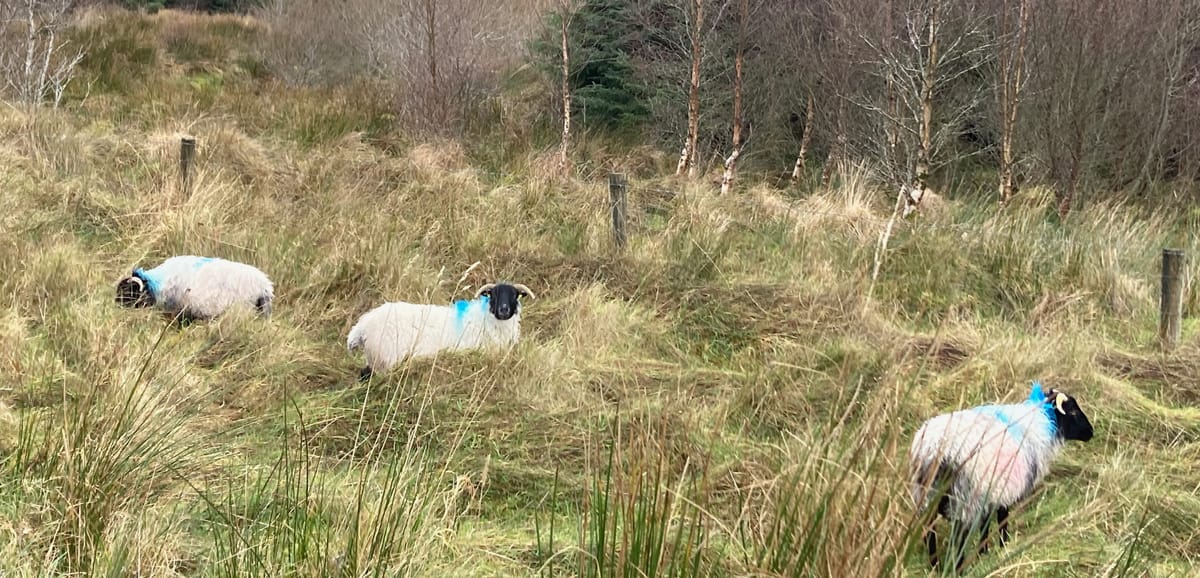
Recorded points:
(722,398)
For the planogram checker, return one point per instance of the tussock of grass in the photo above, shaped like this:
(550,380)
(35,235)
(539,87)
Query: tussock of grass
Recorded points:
(756,404)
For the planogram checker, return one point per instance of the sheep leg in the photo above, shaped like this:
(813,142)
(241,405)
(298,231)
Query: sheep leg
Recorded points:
(1002,524)
(943,509)
(365,373)
(931,545)
(984,528)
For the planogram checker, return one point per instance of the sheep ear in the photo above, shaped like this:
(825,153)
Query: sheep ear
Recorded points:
(485,290)
(1059,400)
(524,291)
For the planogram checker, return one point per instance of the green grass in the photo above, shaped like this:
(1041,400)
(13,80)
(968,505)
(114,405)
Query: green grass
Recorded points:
(723,398)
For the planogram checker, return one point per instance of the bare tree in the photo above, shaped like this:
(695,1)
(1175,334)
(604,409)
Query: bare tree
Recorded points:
(36,64)
(937,50)
(1077,88)
(687,158)
(1177,43)
(840,72)
(837,151)
(430,8)
(805,140)
(566,11)
(893,104)
(739,59)
(437,55)
(1011,78)
(701,20)
(792,33)
(694,12)
(929,77)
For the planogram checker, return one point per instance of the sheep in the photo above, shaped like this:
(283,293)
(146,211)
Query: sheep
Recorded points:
(989,458)
(192,288)
(395,331)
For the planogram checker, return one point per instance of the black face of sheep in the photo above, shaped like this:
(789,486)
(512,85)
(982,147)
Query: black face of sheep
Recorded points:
(1072,423)
(132,291)
(504,299)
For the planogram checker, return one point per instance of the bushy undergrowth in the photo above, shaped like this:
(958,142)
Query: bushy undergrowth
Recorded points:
(722,398)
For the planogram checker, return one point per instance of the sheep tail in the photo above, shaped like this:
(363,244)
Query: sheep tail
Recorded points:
(931,483)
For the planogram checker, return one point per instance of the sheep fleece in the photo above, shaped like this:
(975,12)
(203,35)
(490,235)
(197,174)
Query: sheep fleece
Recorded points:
(205,287)
(998,455)
(394,331)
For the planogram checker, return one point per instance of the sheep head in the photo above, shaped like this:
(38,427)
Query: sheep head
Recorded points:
(133,291)
(504,298)
(1072,423)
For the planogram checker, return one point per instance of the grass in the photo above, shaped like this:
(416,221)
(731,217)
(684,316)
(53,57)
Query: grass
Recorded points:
(723,398)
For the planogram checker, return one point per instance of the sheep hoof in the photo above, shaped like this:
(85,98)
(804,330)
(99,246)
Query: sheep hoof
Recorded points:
(365,373)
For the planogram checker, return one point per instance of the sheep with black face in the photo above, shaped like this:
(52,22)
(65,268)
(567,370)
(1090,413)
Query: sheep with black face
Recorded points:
(976,462)
(192,287)
(397,331)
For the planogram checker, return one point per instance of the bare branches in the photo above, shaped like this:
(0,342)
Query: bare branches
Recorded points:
(434,53)
(35,63)
(937,49)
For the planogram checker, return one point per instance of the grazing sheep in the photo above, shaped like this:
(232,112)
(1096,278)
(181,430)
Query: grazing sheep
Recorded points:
(393,332)
(989,458)
(192,287)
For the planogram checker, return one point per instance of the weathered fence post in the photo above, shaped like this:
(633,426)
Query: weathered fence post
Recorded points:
(187,155)
(617,205)
(1171,304)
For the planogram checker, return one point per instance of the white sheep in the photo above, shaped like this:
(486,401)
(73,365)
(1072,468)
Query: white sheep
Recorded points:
(976,461)
(396,331)
(191,287)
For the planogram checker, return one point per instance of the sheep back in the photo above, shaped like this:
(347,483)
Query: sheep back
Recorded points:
(204,287)
(993,455)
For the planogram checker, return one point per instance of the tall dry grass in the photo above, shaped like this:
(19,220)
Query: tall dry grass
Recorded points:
(719,399)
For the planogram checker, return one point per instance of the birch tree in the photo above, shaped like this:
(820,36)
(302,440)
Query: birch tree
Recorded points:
(566,11)
(1011,79)
(731,161)
(687,158)
(805,141)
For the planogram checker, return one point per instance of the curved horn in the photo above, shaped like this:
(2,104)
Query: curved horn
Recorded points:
(523,290)
(140,284)
(1059,400)
(485,289)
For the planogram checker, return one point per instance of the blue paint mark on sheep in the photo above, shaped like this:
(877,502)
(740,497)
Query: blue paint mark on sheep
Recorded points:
(201,261)
(462,308)
(1017,430)
(152,279)
(1037,395)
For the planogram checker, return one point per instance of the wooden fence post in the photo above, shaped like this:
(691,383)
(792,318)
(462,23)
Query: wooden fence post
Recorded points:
(187,155)
(1171,303)
(617,205)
